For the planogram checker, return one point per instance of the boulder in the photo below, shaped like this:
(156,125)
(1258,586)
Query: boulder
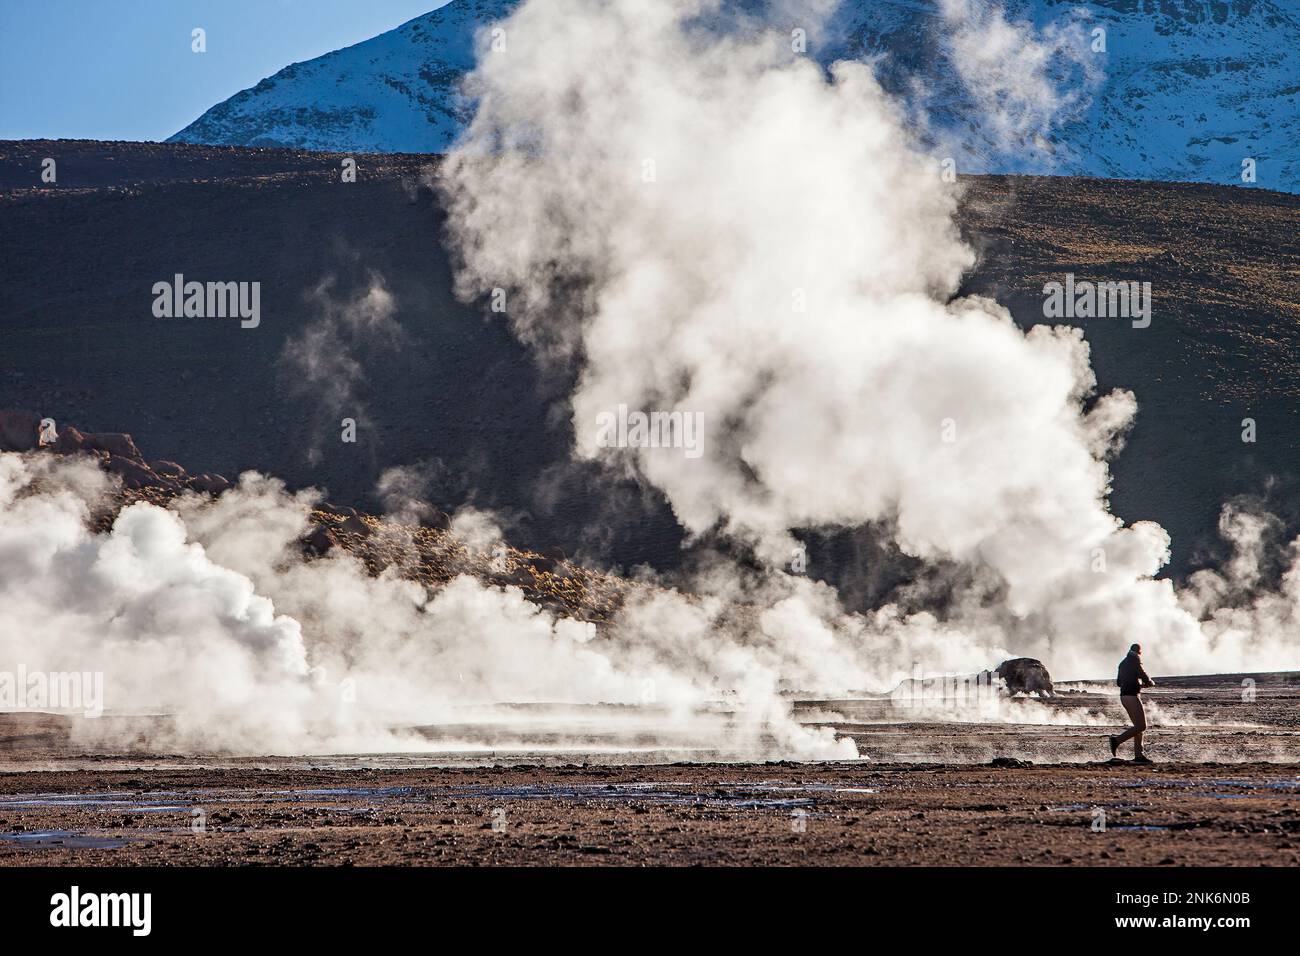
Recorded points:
(210,484)
(115,443)
(519,576)
(70,441)
(1024,675)
(117,451)
(435,519)
(320,540)
(19,431)
(1010,763)
(136,475)
(355,525)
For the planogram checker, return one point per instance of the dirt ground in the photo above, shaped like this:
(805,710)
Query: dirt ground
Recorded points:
(796,814)
(1225,790)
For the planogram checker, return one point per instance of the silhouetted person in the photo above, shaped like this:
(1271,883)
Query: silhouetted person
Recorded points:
(1131,679)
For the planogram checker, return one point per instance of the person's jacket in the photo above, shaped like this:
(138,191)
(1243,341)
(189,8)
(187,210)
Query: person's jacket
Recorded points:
(1131,677)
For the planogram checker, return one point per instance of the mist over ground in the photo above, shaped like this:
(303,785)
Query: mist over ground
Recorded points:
(704,223)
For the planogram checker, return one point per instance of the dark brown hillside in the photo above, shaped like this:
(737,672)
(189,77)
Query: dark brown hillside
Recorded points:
(459,397)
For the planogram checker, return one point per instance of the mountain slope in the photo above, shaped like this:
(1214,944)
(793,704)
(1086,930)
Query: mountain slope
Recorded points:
(396,92)
(1190,89)
(461,403)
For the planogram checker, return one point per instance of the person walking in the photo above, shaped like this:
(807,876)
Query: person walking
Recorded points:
(1131,678)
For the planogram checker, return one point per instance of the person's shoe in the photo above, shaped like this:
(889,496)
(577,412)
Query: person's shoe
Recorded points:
(1142,758)
(1114,745)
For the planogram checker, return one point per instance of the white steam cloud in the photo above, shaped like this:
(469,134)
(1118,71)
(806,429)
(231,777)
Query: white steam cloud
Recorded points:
(711,225)
(1023,82)
(323,356)
(208,613)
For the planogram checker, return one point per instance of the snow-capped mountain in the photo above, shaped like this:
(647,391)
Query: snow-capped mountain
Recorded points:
(1188,89)
(394,93)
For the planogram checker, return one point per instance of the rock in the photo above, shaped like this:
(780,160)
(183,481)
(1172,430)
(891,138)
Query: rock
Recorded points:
(19,431)
(210,484)
(355,525)
(115,443)
(542,564)
(339,511)
(69,442)
(168,468)
(136,475)
(520,576)
(320,540)
(435,519)
(1024,675)
(1010,762)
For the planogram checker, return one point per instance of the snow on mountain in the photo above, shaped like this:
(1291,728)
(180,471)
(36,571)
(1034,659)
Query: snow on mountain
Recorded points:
(1190,88)
(397,92)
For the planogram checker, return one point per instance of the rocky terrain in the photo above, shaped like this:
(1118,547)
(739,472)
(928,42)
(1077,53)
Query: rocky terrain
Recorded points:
(736,815)
(932,790)
(426,552)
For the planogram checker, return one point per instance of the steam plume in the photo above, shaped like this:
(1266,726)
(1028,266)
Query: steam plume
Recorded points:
(704,223)
(708,224)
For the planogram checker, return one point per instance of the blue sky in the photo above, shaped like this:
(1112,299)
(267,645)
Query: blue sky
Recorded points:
(123,69)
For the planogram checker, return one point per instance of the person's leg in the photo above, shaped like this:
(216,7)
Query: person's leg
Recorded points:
(1126,736)
(1134,730)
(1137,714)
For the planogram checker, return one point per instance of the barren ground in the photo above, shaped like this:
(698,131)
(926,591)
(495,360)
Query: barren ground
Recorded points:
(1223,792)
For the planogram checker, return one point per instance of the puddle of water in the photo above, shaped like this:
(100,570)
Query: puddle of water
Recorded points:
(1222,796)
(123,800)
(62,839)
(166,801)
(344,792)
(1202,788)
(161,809)
(68,800)
(745,796)
(1134,826)
(1243,784)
